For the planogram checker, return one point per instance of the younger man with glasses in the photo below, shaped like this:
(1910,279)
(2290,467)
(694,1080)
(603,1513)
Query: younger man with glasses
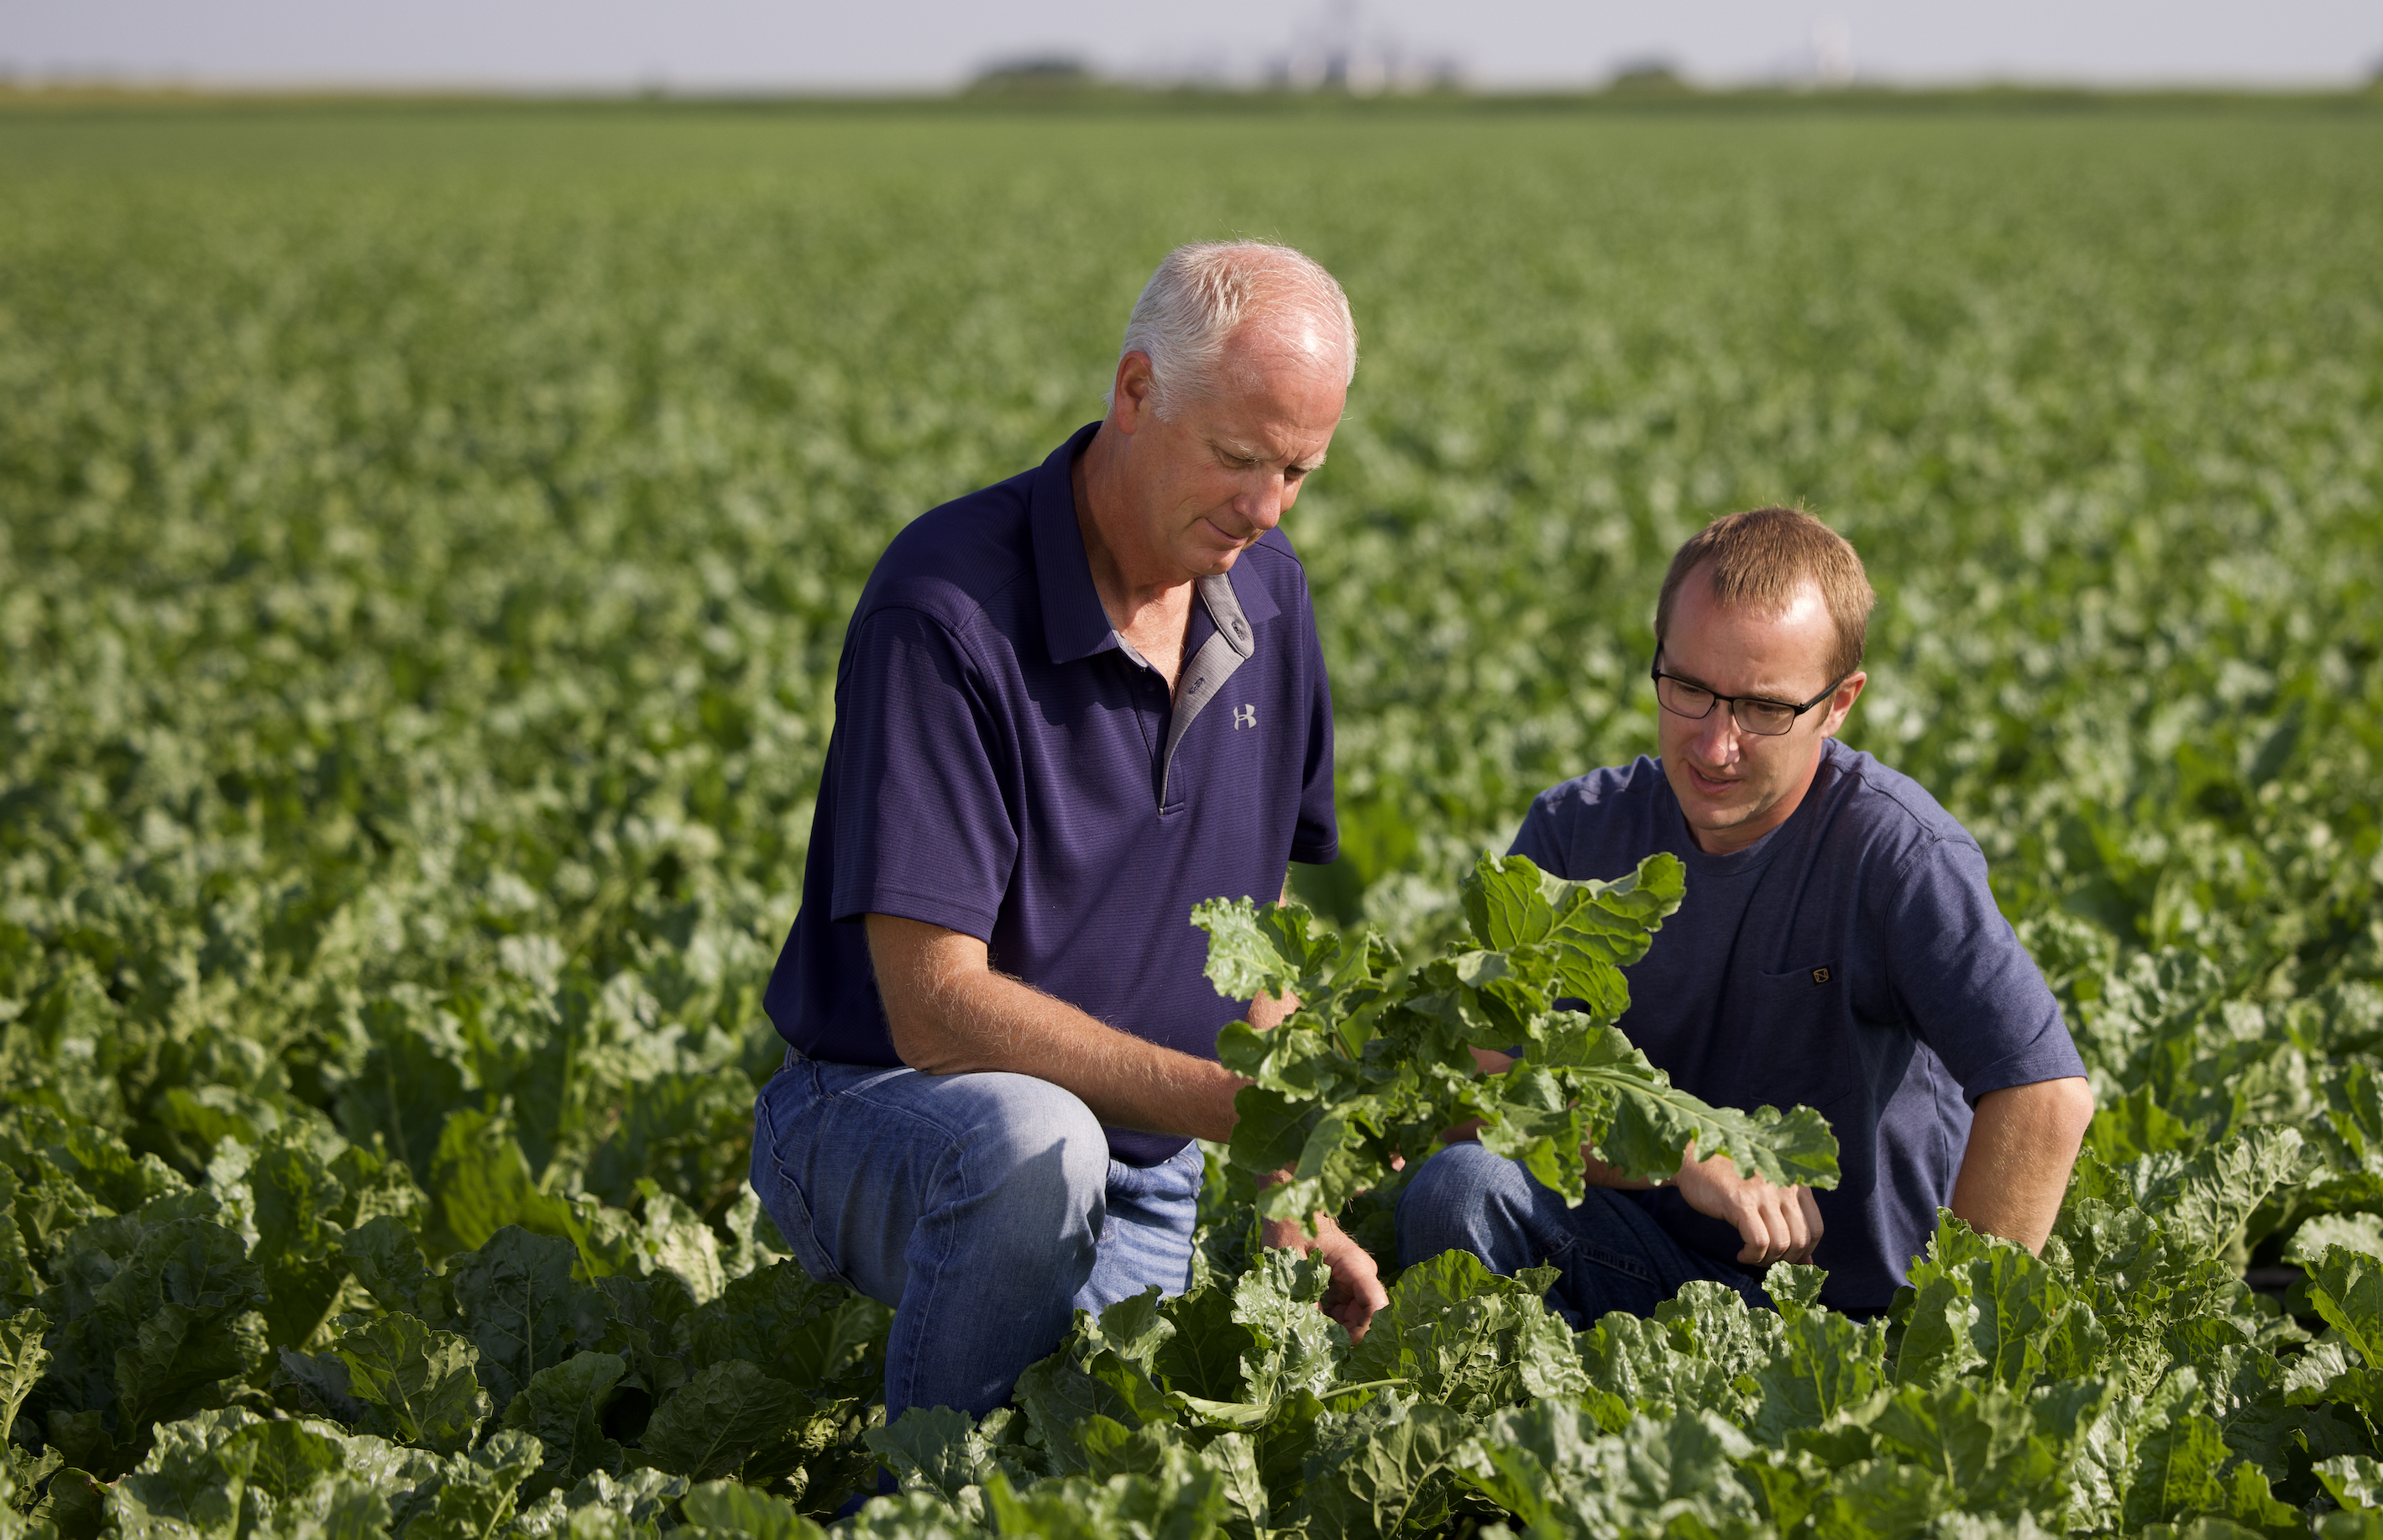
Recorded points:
(1838,948)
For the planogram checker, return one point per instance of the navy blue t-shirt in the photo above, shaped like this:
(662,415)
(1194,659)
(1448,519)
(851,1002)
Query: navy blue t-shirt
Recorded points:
(1004,765)
(1851,960)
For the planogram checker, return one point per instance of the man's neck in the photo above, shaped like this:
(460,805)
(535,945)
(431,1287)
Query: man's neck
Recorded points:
(1131,582)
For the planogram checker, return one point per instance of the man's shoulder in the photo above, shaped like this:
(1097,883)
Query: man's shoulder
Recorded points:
(1272,561)
(1591,823)
(1600,792)
(1880,805)
(953,561)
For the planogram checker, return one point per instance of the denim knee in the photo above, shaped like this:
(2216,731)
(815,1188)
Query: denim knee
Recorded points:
(1455,1201)
(1039,1153)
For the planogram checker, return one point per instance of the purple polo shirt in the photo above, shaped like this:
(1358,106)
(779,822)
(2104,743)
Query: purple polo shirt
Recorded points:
(1004,764)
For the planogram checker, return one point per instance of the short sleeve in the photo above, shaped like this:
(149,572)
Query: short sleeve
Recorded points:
(921,828)
(1316,839)
(1967,987)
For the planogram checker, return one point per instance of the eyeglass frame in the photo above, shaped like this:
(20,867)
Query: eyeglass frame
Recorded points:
(1655,672)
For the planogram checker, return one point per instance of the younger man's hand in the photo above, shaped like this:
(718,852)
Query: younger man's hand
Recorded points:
(1778,1223)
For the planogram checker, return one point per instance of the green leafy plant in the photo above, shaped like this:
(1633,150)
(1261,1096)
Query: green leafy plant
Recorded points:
(1378,1060)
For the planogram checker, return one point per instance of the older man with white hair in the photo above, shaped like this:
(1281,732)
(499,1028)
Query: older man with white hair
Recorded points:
(1071,706)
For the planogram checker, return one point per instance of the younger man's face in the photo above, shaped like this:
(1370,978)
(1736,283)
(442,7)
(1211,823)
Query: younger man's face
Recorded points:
(1733,785)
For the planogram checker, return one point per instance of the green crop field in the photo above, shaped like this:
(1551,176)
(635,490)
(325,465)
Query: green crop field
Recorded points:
(425,540)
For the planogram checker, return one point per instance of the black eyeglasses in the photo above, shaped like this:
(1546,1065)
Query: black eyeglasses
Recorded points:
(1767,718)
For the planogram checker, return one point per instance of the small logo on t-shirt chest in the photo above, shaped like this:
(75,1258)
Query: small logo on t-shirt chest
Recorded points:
(1820,976)
(1244,716)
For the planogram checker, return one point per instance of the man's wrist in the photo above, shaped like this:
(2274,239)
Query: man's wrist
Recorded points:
(1285,1234)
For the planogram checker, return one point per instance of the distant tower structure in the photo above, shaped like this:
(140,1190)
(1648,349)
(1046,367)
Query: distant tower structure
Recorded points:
(1832,51)
(1340,44)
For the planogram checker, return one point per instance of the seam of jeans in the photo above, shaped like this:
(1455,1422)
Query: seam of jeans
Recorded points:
(766,1116)
(1614,1261)
(925,1312)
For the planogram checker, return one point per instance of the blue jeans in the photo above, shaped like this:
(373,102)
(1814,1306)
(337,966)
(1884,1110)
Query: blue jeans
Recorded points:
(1613,1254)
(983,1208)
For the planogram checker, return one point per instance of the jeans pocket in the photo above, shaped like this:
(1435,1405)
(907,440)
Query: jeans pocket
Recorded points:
(776,1187)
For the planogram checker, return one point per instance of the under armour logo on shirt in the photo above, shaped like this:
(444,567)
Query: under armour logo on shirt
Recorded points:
(1244,716)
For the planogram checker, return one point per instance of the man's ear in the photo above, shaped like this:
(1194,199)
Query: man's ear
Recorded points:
(1130,398)
(1841,705)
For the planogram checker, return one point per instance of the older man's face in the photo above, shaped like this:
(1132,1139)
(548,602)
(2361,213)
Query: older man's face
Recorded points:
(1226,470)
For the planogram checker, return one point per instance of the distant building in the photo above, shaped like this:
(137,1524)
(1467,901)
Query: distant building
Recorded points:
(1036,72)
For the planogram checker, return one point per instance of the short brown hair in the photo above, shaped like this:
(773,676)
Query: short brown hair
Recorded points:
(1762,559)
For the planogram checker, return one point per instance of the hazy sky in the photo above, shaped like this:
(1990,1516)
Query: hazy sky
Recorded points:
(700,44)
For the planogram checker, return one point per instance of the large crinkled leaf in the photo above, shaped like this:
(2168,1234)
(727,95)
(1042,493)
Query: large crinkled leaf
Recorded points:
(2205,1198)
(19,1282)
(1536,1462)
(1465,1338)
(603,1506)
(1182,1500)
(678,1130)
(160,1307)
(813,1333)
(1983,1441)
(1299,1347)
(1274,950)
(289,1459)
(1506,904)
(385,1258)
(671,1240)
(1713,1321)
(292,1193)
(708,1426)
(930,1447)
(718,1510)
(418,1382)
(482,1183)
(480,1491)
(1134,1328)
(415,1074)
(1556,1469)
(2362,1233)
(1823,1363)
(2178,1472)
(184,1490)
(1645,1367)
(1648,1126)
(2135,1125)
(1203,1358)
(2346,1288)
(1383,1469)
(1880,1501)
(1083,1380)
(517,1303)
(563,1405)
(1983,1305)
(2352,1481)
(913,1515)
(22,1359)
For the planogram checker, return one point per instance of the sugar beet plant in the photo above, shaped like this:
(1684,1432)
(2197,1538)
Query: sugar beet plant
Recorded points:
(1378,1060)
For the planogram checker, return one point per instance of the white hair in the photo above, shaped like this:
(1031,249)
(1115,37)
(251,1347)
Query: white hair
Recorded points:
(1204,292)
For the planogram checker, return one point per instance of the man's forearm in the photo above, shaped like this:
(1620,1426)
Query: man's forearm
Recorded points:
(951,1014)
(1599,1174)
(2023,1141)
